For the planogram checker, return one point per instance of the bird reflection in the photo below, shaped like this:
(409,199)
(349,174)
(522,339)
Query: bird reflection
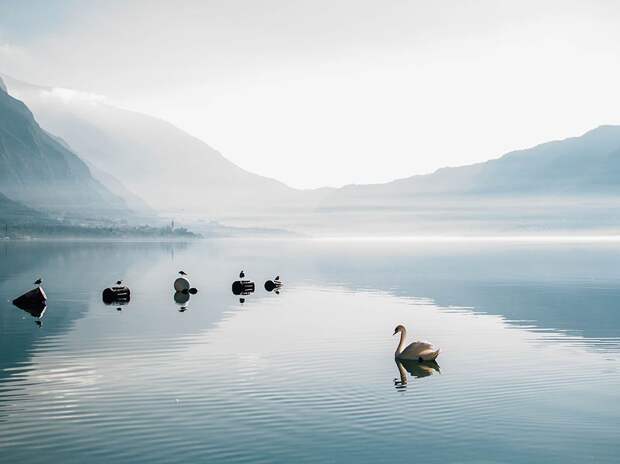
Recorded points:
(417,369)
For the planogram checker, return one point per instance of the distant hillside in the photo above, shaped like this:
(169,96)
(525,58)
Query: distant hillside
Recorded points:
(564,185)
(169,169)
(40,172)
(580,167)
(133,201)
(12,213)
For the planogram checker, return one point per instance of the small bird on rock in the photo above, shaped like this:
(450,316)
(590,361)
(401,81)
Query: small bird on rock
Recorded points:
(241,275)
(182,272)
(38,281)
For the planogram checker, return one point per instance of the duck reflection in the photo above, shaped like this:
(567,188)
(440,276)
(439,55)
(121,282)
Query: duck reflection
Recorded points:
(417,369)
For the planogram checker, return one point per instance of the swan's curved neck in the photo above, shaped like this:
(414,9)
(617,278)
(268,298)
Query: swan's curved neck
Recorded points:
(399,348)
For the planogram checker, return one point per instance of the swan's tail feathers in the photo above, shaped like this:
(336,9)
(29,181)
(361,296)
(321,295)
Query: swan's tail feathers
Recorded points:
(434,355)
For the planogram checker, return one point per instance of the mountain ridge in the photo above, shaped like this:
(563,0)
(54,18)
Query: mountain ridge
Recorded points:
(137,149)
(151,156)
(13,212)
(39,171)
(571,166)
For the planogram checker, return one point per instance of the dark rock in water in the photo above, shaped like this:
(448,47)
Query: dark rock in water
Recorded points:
(242,287)
(181,284)
(117,295)
(185,291)
(193,290)
(272,285)
(33,302)
(35,297)
(35,310)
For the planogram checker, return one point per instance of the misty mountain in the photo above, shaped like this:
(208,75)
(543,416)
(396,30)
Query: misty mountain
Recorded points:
(164,166)
(12,212)
(40,172)
(577,167)
(564,184)
(133,201)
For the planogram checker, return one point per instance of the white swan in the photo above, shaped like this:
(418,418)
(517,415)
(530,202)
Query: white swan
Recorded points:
(420,351)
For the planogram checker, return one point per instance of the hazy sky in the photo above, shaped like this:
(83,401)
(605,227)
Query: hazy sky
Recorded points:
(333,92)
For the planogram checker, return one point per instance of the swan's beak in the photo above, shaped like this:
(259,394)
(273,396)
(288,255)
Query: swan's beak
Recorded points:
(395,332)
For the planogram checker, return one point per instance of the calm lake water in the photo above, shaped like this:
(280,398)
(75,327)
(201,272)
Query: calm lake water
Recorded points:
(529,369)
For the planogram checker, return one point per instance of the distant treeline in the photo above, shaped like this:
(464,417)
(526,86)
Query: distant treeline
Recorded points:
(75,231)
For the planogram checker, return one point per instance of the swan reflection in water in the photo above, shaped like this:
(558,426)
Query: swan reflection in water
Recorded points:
(417,369)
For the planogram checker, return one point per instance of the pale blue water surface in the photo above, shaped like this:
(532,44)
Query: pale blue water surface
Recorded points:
(529,369)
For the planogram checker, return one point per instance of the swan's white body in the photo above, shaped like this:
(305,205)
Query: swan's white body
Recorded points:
(421,351)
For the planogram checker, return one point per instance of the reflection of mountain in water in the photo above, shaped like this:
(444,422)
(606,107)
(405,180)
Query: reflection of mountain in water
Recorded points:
(588,311)
(566,288)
